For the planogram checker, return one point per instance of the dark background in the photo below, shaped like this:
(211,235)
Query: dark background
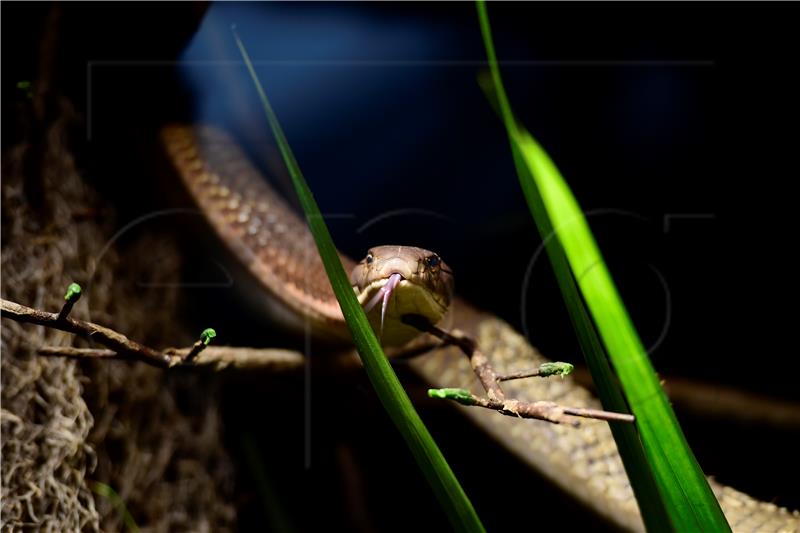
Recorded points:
(672,123)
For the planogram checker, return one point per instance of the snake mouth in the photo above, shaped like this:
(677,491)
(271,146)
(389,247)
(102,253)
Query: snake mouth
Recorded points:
(416,299)
(384,293)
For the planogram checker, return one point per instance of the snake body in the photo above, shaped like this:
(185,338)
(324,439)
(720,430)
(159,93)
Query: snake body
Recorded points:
(275,245)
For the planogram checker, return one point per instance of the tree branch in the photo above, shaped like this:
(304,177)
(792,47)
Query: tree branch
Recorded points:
(121,347)
(219,357)
(490,380)
(125,347)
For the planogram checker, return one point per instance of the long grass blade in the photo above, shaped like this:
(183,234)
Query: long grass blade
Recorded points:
(438,473)
(101,489)
(669,485)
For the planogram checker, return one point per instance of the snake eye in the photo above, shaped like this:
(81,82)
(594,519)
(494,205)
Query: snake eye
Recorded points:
(370,258)
(433,261)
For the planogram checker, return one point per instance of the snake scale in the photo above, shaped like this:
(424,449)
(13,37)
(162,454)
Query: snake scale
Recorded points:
(274,243)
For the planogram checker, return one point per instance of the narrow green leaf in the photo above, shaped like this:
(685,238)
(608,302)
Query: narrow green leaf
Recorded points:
(101,489)
(651,505)
(451,496)
(669,484)
(273,509)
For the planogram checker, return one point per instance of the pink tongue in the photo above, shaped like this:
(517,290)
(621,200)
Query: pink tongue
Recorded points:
(385,292)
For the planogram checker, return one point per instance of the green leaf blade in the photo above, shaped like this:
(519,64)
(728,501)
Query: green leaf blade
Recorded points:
(448,490)
(669,484)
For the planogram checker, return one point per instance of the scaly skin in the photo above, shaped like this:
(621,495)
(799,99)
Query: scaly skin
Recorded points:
(275,245)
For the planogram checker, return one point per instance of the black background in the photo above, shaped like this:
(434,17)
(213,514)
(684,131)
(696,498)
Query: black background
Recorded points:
(652,112)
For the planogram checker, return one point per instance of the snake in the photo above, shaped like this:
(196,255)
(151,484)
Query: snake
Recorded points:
(275,245)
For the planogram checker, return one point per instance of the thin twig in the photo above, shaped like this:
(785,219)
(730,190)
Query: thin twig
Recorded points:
(519,375)
(125,347)
(553,368)
(541,410)
(217,356)
(599,414)
(480,363)
(490,380)
(196,348)
(120,347)
(547,411)
(78,353)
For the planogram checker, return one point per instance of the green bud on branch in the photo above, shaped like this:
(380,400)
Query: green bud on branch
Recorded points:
(207,335)
(73,293)
(462,396)
(556,368)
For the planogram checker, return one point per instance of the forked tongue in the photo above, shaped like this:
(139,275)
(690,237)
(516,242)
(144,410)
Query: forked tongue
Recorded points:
(384,293)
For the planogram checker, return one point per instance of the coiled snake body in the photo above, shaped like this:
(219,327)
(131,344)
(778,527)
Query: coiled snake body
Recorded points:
(275,245)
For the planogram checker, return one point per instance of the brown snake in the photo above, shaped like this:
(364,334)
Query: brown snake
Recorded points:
(277,248)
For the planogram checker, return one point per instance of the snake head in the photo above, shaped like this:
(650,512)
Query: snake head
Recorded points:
(406,280)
